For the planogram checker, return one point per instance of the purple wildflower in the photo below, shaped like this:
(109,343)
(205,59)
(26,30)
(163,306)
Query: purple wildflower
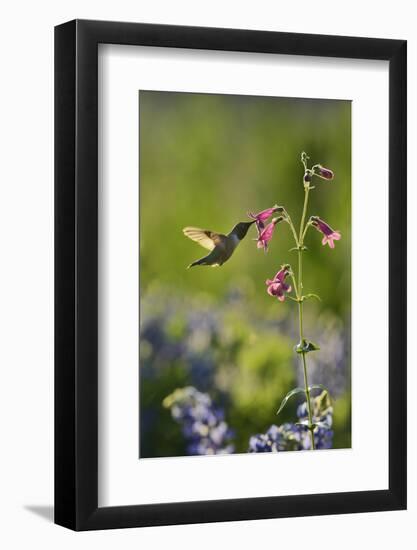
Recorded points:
(261,217)
(265,235)
(329,234)
(277,286)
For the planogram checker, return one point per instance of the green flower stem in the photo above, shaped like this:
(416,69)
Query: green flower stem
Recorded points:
(310,415)
(303,217)
(300,311)
(305,231)
(289,221)
(294,282)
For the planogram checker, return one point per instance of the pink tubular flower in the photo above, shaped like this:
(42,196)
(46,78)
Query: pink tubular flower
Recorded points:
(262,216)
(265,235)
(323,172)
(329,235)
(277,286)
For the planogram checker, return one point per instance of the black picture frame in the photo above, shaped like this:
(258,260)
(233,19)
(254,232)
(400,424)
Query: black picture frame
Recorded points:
(76,272)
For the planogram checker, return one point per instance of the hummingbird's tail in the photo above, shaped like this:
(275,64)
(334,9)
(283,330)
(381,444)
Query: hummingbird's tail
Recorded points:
(207,260)
(197,262)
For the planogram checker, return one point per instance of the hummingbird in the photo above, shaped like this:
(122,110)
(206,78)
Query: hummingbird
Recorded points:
(221,246)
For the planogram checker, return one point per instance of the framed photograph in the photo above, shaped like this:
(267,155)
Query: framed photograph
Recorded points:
(230,251)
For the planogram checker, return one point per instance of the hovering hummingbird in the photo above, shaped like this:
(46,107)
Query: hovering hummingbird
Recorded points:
(221,246)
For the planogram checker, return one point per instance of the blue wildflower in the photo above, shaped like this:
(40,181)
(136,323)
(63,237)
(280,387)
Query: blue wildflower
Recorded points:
(286,437)
(202,423)
(322,417)
(296,437)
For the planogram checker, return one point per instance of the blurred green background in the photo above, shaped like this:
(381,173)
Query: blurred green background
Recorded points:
(205,160)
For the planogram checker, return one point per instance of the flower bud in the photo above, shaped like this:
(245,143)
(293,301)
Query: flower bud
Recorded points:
(307,177)
(322,172)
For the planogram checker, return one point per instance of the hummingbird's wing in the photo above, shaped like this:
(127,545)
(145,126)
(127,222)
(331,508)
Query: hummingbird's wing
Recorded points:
(206,238)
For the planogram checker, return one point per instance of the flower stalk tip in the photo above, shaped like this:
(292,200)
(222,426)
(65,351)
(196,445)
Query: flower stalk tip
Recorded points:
(304,159)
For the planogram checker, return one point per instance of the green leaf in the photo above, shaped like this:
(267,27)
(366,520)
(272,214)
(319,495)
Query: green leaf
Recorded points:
(304,346)
(289,394)
(311,295)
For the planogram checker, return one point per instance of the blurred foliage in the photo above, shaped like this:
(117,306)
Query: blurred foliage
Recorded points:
(205,160)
